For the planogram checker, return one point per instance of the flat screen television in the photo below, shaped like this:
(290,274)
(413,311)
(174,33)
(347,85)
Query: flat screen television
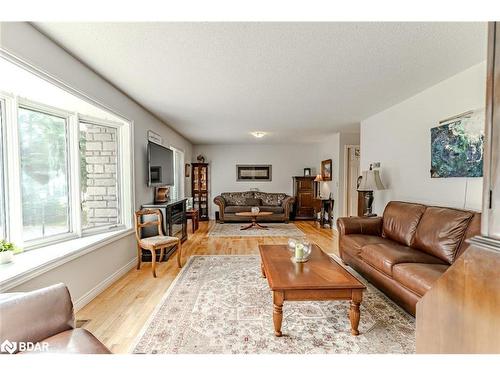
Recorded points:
(160,165)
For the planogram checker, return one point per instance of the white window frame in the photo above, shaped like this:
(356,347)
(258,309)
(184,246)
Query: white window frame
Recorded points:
(16,164)
(12,172)
(119,173)
(3,164)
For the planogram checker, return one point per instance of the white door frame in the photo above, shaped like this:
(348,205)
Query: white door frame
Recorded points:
(345,184)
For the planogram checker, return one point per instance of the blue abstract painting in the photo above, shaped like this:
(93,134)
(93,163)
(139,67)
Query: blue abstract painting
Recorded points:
(457,146)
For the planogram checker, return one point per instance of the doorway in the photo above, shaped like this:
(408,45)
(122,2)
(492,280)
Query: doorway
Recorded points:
(351,174)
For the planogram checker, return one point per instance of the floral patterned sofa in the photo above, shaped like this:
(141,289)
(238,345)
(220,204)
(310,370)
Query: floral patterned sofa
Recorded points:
(280,204)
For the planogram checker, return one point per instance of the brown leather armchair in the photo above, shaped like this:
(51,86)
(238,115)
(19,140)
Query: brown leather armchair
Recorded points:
(42,321)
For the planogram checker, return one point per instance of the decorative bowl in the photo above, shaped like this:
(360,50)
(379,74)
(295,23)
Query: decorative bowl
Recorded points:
(291,243)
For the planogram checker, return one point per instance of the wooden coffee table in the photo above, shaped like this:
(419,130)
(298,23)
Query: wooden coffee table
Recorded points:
(320,278)
(254,217)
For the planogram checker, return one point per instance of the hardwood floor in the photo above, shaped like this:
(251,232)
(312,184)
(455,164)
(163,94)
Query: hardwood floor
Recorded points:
(117,315)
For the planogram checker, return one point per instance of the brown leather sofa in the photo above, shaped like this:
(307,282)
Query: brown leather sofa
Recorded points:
(407,249)
(280,204)
(44,319)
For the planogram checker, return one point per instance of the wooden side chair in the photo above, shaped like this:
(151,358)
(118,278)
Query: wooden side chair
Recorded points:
(154,243)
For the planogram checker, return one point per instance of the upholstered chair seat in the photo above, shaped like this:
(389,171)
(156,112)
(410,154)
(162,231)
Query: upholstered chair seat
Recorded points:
(157,241)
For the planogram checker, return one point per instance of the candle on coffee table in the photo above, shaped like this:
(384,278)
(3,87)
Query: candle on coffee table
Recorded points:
(299,251)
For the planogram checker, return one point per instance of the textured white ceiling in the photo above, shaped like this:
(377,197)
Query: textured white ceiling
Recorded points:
(216,82)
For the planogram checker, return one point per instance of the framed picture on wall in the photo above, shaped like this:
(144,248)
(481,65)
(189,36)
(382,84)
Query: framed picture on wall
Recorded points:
(307,171)
(326,170)
(457,146)
(253,172)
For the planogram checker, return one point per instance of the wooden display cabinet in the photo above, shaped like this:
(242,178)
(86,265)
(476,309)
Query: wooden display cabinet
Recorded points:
(199,189)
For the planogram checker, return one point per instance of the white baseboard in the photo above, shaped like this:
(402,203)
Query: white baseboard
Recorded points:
(99,288)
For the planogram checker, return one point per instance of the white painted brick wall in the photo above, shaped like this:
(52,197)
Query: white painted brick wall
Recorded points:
(100,193)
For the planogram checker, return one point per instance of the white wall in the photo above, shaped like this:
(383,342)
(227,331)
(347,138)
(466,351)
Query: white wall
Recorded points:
(86,272)
(287,160)
(90,274)
(399,138)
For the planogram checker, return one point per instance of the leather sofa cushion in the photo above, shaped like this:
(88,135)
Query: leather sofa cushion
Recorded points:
(35,315)
(273,209)
(353,243)
(418,277)
(234,209)
(385,256)
(76,340)
(441,231)
(401,220)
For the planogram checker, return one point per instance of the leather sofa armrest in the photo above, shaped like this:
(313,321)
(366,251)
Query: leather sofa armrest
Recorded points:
(360,225)
(287,205)
(221,202)
(37,315)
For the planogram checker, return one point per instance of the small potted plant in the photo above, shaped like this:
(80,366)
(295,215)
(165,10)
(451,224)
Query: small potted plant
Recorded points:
(7,251)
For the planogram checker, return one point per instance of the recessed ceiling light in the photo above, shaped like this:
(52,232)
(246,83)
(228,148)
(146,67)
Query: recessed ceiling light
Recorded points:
(258,134)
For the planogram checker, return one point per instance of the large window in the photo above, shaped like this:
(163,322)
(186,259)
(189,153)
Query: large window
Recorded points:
(65,163)
(43,154)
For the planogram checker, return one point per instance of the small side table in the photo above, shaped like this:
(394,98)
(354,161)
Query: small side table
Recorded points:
(326,211)
(194,215)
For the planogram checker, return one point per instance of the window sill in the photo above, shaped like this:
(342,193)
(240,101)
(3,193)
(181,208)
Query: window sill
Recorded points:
(33,263)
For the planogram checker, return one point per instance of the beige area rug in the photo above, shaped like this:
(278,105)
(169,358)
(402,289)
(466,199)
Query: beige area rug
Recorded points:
(221,304)
(273,230)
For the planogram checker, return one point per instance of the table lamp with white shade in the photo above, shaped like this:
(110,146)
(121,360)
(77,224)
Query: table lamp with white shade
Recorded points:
(317,189)
(370,181)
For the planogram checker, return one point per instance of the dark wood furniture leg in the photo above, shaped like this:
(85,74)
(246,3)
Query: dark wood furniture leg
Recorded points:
(354,313)
(248,226)
(179,254)
(253,224)
(278,298)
